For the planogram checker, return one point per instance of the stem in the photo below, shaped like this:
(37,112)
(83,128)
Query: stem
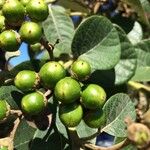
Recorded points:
(49,47)
(68,64)
(138,86)
(114,147)
(75,141)
(78,14)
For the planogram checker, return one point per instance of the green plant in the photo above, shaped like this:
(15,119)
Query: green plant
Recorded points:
(67,90)
(85,50)
(33,103)
(10,40)
(50,73)
(30,32)
(80,70)
(93,96)
(27,80)
(71,114)
(37,10)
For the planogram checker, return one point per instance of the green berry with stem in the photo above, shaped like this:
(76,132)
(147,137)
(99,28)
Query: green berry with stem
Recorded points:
(80,70)
(50,73)
(67,90)
(95,118)
(35,47)
(33,103)
(93,96)
(70,115)
(4,110)
(13,11)
(27,80)
(37,10)
(30,32)
(10,40)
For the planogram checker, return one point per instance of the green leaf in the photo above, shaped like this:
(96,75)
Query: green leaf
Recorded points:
(136,34)
(74,5)
(143,68)
(129,147)
(96,41)
(143,52)
(12,95)
(23,136)
(117,109)
(59,25)
(142,74)
(125,69)
(139,7)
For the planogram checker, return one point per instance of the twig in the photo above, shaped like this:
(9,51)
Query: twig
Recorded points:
(49,47)
(114,147)
(68,64)
(47,93)
(138,86)
(78,14)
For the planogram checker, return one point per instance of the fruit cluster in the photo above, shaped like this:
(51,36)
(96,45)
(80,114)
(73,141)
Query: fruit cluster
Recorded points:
(19,22)
(76,101)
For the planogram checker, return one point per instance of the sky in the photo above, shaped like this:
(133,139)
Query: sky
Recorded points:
(23,56)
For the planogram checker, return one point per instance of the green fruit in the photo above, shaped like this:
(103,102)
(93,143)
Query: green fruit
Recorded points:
(2,23)
(35,47)
(2,3)
(95,118)
(24,2)
(33,103)
(67,90)
(37,10)
(51,73)
(13,11)
(30,32)
(4,110)
(9,40)
(70,115)
(80,70)
(93,96)
(26,80)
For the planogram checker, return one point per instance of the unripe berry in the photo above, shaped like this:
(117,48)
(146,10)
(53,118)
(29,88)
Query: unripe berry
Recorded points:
(33,103)
(70,115)
(30,32)
(67,90)
(13,11)
(93,96)
(37,10)
(80,70)
(51,73)
(4,110)
(2,23)
(35,47)
(95,118)
(26,80)
(9,40)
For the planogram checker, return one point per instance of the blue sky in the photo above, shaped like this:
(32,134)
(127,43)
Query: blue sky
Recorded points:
(23,57)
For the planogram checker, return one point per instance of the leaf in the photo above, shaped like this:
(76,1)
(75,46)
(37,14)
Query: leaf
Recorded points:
(137,5)
(130,147)
(142,74)
(59,25)
(117,109)
(74,5)
(143,68)
(23,136)
(143,52)
(12,95)
(125,69)
(96,41)
(136,34)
